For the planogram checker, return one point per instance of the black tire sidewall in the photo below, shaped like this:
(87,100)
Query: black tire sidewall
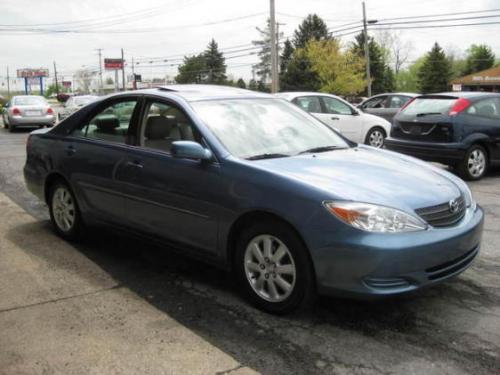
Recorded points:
(74,233)
(463,169)
(304,289)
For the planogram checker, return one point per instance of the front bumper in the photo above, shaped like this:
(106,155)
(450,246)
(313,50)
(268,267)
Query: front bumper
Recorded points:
(446,153)
(28,121)
(375,264)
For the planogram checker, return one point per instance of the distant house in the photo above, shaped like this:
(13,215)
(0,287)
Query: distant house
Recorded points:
(486,80)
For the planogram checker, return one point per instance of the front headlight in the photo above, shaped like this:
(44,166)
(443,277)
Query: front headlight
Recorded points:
(469,199)
(374,218)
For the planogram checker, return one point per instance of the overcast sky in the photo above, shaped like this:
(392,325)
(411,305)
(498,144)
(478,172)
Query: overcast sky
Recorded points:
(176,27)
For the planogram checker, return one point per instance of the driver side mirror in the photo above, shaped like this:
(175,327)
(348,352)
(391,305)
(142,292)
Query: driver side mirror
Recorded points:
(190,150)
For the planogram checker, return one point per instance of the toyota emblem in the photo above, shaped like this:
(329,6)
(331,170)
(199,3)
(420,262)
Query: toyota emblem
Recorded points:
(453,205)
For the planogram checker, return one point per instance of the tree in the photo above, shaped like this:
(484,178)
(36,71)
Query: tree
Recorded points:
(52,89)
(83,78)
(397,50)
(381,74)
(286,56)
(215,64)
(109,81)
(241,84)
(296,73)
(311,28)
(252,85)
(435,72)
(407,79)
(192,70)
(479,57)
(263,67)
(338,71)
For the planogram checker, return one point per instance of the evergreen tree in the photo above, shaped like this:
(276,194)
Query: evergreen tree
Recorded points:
(263,67)
(241,84)
(192,70)
(435,72)
(479,57)
(286,56)
(383,79)
(215,64)
(312,28)
(252,85)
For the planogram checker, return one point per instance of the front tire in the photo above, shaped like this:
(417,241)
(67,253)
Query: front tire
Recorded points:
(375,137)
(475,163)
(273,268)
(64,212)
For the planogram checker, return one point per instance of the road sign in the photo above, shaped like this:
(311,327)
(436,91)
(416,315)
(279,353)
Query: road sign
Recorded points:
(113,64)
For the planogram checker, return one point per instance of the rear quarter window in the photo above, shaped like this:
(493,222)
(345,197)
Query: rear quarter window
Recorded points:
(489,108)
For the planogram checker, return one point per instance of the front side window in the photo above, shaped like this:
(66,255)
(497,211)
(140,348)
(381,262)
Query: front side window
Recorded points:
(309,104)
(397,101)
(335,106)
(111,124)
(378,102)
(259,128)
(163,124)
(489,108)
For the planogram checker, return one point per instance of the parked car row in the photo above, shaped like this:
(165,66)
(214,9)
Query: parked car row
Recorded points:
(252,183)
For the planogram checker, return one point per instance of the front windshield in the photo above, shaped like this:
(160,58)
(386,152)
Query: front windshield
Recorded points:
(252,127)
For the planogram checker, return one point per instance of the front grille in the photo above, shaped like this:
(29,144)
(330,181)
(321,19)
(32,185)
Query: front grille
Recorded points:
(432,132)
(443,215)
(453,266)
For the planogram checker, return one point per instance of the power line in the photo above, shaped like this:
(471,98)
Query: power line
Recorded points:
(434,26)
(440,20)
(440,15)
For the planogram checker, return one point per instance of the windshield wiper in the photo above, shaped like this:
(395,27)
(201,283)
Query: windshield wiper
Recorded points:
(267,156)
(428,114)
(320,149)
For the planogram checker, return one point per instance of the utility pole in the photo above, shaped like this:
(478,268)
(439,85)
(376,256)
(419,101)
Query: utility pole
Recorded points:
(8,83)
(134,83)
(99,50)
(367,53)
(274,58)
(123,72)
(278,46)
(55,76)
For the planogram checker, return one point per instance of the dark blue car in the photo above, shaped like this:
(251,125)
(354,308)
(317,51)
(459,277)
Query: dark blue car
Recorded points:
(461,129)
(254,184)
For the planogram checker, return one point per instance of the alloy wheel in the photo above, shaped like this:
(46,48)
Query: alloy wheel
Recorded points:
(476,164)
(63,209)
(270,268)
(376,138)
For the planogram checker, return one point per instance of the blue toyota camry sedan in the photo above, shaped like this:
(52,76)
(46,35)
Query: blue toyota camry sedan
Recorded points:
(254,184)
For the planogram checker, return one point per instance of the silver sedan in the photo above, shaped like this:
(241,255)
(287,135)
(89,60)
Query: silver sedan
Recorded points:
(74,104)
(28,111)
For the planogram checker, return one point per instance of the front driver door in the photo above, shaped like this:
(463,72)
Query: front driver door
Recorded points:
(171,198)
(342,116)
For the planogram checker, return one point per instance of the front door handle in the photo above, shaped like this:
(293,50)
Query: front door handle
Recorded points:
(134,164)
(334,118)
(70,150)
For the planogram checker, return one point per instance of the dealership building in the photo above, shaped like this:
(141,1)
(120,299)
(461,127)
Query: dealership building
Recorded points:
(487,80)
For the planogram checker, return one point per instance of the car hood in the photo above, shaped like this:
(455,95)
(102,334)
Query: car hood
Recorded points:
(366,174)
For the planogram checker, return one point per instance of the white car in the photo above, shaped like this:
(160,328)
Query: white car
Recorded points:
(338,114)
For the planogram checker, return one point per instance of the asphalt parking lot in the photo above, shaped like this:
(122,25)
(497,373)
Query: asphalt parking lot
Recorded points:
(114,304)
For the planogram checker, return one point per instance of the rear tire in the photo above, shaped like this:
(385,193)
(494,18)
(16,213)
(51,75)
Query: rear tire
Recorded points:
(475,163)
(64,212)
(12,128)
(375,137)
(273,268)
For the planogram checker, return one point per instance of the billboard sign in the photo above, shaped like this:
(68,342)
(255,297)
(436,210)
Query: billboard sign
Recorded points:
(32,73)
(113,64)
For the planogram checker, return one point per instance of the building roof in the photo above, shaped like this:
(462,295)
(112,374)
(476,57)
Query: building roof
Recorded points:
(486,77)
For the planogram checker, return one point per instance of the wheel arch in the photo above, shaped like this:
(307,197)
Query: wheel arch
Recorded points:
(51,179)
(481,140)
(254,216)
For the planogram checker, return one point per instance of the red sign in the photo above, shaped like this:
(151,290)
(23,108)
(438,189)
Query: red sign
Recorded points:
(29,73)
(113,64)
(66,84)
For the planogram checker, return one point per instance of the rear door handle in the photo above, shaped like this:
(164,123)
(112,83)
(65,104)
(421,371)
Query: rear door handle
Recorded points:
(334,118)
(70,150)
(134,164)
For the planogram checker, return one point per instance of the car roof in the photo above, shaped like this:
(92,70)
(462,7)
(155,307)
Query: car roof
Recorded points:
(412,94)
(196,92)
(294,94)
(464,94)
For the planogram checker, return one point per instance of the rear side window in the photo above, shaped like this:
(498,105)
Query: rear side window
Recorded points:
(111,124)
(489,108)
(308,103)
(378,102)
(397,101)
(335,106)
(422,106)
